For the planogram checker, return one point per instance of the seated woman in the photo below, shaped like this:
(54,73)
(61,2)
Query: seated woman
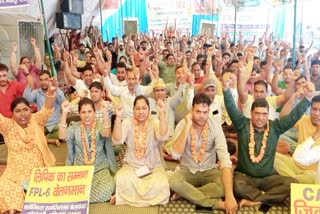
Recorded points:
(142,181)
(89,144)
(27,148)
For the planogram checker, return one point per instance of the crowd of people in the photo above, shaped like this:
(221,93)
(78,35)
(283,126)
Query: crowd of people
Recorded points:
(241,118)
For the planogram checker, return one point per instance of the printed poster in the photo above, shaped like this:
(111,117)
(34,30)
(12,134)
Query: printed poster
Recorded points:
(59,190)
(305,198)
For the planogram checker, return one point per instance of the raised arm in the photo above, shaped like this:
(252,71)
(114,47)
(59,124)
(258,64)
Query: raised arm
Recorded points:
(13,59)
(117,129)
(288,121)
(241,82)
(179,144)
(51,93)
(274,83)
(106,131)
(289,91)
(163,125)
(235,114)
(37,54)
(65,66)
(65,106)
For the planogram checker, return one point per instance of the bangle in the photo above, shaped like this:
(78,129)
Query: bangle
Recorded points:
(51,96)
(63,125)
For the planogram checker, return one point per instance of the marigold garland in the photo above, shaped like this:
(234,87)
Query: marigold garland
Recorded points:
(257,159)
(93,144)
(204,136)
(140,147)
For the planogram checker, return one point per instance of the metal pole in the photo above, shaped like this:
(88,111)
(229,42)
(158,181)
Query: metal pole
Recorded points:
(235,22)
(212,5)
(101,17)
(53,70)
(294,35)
(301,37)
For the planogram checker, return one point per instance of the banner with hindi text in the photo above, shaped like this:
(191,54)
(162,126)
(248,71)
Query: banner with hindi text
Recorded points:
(13,3)
(59,190)
(305,198)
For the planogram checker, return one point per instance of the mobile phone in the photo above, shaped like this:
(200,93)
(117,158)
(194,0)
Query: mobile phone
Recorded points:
(215,112)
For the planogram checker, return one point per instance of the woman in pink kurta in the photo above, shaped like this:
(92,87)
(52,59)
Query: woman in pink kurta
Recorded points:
(27,149)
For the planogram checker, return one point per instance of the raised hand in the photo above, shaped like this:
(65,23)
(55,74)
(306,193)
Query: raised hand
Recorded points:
(33,42)
(161,107)
(191,79)
(84,93)
(53,85)
(226,80)
(300,93)
(14,47)
(188,119)
(65,106)
(241,68)
(24,68)
(119,111)
(309,90)
(103,108)
(277,66)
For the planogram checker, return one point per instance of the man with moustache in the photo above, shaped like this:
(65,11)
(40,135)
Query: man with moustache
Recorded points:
(38,96)
(198,142)
(9,90)
(255,182)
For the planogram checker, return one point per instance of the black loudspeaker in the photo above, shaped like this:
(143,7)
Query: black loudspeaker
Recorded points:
(72,6)
(68,20)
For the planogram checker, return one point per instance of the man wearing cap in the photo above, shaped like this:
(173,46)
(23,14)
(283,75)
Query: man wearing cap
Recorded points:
(121,51)
(82,52)
(159,92)
(217,103)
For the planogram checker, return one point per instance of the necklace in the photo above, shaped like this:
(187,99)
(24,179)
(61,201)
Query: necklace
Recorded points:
(257,159)
(140,147)
(93,143)
(204,136)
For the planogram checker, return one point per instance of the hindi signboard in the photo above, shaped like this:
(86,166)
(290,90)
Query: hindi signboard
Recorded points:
(305,198)
(59,190)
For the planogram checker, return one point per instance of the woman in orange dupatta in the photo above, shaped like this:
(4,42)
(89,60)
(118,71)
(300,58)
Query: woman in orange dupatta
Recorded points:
(27,148)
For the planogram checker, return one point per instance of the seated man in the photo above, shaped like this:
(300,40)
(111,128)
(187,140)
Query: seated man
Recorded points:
(303,164)
(254,181)
(197,140)
(38,96)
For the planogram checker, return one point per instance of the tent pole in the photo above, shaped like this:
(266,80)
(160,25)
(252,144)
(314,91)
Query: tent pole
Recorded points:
(294,35)
(53,70)
(101,17)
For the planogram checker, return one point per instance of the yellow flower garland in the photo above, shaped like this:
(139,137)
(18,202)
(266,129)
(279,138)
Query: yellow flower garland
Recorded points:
(93,144)
(257,159)
(204,136)
(140,148)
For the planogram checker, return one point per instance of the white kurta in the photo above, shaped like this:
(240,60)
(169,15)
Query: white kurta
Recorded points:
(149,190)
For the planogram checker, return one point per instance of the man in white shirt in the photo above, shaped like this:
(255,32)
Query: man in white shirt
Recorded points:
(127,94)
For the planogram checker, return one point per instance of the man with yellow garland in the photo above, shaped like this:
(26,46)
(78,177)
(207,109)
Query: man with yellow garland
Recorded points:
(198,139)
(254,180)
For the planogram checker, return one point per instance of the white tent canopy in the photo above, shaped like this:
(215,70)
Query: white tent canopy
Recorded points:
(11,19)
